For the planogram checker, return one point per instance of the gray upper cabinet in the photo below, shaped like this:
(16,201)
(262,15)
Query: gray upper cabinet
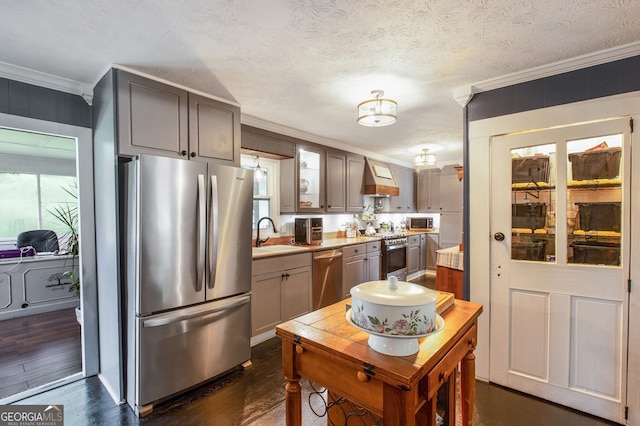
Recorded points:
(355,181)
(160,119)
(405,202)
(214,130)
(428,193)
(288,185)
(450,190)
(152,117)
(336,182)
(439,190)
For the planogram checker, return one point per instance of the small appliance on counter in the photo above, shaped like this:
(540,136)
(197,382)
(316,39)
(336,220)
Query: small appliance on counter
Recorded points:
(421,223)
(308,230)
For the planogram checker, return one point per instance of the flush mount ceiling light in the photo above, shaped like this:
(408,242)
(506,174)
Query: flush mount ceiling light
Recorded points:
(425,159)
(377,112)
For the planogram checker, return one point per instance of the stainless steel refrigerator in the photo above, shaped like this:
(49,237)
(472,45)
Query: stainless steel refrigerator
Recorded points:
(188,228)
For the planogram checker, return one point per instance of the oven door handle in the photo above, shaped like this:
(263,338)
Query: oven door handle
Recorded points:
(396,246)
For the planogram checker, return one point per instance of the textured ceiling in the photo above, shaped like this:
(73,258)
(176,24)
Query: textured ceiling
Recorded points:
(306,64)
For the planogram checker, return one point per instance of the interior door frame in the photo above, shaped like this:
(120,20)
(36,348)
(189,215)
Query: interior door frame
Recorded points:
(478,174)
(86,211)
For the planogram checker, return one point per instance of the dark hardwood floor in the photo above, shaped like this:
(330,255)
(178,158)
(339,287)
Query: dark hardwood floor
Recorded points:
(38,349)
(255,396)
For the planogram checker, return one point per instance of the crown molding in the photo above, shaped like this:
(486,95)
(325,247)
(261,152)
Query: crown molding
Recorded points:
(50,81)
(463,94)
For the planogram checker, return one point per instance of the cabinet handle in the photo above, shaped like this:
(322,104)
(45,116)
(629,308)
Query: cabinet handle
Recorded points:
(183,153)
(193,154)
(363,377)
(300,350)
(329,206)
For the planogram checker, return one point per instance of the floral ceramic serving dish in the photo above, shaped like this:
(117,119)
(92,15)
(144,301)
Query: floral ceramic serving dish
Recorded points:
(395,314)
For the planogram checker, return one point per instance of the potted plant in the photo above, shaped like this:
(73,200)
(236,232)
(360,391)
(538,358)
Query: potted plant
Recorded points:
(67,215)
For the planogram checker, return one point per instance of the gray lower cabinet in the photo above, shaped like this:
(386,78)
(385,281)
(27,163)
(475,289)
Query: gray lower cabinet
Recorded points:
(373,261)
(360,263)
(433,245)
(413,254)
(160,119)
(281,290)
(423,252)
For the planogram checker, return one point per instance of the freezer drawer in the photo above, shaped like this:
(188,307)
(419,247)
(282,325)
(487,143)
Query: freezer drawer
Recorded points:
(183,348)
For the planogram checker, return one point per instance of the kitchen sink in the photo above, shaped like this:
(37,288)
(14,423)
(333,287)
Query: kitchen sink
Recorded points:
(281,249)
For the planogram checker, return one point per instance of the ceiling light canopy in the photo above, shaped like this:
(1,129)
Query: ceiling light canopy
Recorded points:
(377,112)
(425,159)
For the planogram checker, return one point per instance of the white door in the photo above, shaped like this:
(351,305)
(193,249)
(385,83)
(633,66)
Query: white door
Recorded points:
(559,264)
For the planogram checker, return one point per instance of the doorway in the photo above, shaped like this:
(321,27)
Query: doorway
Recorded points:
(86,263)
(559,271)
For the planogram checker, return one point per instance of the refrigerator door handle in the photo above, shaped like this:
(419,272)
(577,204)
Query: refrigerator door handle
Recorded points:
(202,232)
(213,242)
(200,315)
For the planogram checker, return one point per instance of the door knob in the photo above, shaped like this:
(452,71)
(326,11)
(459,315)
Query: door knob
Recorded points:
(499,236)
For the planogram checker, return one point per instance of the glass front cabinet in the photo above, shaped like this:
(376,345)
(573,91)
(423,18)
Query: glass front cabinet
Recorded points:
(311,185)
(584,178)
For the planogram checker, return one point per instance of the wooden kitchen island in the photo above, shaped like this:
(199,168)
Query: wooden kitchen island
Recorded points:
(328,351)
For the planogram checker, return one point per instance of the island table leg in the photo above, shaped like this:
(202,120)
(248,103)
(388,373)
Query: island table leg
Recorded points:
(293,391)
(468,387)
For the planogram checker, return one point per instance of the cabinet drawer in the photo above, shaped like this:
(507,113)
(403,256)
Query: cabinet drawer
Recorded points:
(413,239)
(354,250)
(373,247)
(280,263)
(447,365)
(344,378)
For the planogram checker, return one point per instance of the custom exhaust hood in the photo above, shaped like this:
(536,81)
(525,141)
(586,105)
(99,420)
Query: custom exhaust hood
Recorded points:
(378,179)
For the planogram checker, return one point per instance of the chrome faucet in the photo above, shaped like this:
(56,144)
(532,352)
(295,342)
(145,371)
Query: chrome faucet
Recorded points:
(258,240)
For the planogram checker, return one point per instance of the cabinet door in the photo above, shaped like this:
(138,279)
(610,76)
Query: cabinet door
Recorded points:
(152,117)
(428,191)
(296,290)
(432,246)
(355,180)
(265,302)
(336,182)
(214,130)
(409,191)
(413,258)
(373,266)
(450,190)
(396,203)
(311,180)
(288,185)
(354,272)
(423,252)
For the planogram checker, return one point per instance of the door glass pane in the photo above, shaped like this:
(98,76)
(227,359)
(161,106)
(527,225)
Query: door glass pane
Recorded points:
(594,200)
(533,177)
(309,179)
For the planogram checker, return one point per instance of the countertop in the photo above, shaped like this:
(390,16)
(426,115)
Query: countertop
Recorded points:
(327,244)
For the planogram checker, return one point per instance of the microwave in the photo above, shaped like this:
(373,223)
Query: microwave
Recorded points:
(308,230)
(421,223)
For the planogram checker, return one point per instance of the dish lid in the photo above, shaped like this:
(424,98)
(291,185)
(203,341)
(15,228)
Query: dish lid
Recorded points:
(393,293)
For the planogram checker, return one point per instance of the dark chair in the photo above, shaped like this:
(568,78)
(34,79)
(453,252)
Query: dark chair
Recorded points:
(42,240)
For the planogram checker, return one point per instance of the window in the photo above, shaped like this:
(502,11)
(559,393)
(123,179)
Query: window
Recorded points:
(37,174)
(26,202)
(265,195)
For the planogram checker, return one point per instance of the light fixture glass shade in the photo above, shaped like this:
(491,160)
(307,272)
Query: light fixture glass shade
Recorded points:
(425,159)
(377,112)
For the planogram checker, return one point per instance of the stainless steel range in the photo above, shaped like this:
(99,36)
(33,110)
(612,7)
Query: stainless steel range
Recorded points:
(394,255)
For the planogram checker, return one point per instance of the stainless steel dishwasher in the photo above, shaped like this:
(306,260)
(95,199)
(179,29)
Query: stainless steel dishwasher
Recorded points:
(327,278)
